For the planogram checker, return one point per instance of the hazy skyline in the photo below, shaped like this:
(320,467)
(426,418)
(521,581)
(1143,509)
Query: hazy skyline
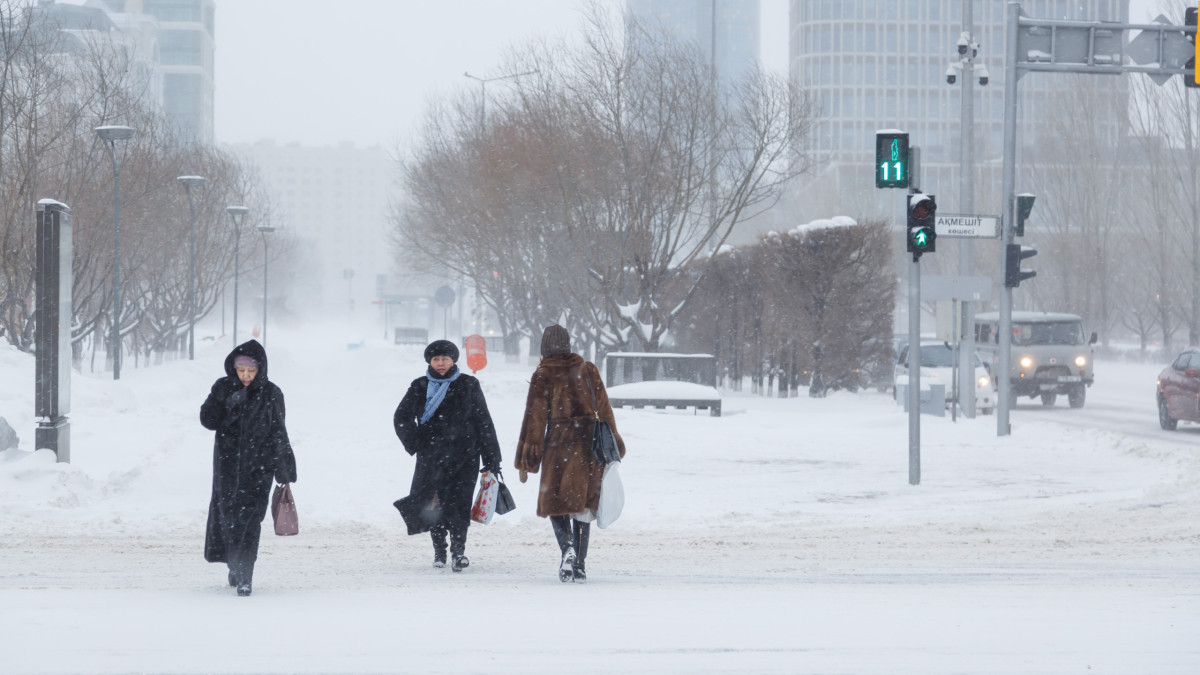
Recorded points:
(364,71)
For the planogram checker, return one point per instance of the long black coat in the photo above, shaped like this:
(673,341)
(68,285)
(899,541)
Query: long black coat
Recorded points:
(450,446)
(251,448)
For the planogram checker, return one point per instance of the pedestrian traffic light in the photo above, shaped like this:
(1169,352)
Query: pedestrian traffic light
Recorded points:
(922,216)
(1013,255)
(891,159)
(1024,207)
(1189,19)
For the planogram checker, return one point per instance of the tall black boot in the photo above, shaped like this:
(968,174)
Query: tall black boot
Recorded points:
(566,543)
(458,547)
(581,531)
(242,572)
(438,535)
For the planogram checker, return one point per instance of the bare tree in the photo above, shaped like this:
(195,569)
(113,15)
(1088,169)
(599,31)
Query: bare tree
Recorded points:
(587,193)
(55,89)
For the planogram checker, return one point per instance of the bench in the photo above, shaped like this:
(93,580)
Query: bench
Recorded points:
(662,380)
(412,336)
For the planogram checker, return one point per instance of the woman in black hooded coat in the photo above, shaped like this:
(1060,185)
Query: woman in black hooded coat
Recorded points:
(449,438)
(251,448)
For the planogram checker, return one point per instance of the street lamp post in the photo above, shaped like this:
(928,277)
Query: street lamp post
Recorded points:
(110,135)
(236,213)
(265,231)
(969,69)
(188,183)
(483,90)
(483,124)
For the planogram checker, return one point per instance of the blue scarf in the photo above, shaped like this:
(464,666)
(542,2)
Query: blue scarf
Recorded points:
(435,392)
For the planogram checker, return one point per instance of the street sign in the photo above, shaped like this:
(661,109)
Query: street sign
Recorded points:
(979,227)
(1168,46)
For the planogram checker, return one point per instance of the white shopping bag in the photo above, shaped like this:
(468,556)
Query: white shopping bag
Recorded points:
(485,502)
(612,496)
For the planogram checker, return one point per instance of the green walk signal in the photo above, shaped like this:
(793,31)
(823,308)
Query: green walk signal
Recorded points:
(891,159)
(922,218)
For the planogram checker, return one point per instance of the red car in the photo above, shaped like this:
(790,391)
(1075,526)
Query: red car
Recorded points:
(1179,390)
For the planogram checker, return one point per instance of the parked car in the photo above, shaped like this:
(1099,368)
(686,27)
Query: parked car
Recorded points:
(937,366)
(1178,390)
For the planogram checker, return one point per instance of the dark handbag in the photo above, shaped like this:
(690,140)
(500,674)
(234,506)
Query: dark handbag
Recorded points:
(604,443)
(283,511)
(504,499)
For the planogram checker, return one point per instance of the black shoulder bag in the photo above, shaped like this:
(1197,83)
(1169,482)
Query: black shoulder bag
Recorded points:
(604,444)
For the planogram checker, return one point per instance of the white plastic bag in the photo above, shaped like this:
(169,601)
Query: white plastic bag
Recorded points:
(485,502)
(612,496)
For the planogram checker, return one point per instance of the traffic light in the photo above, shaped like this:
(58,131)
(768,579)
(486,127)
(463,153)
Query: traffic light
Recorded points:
(1013,255)
(922,216)
(1024,207)
(891,159)
(1189,19)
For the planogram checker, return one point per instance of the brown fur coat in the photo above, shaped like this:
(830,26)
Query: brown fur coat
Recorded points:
(556,435)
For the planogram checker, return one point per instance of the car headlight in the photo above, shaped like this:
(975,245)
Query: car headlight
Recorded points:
(984,382)
(1080,361)
(1026,361)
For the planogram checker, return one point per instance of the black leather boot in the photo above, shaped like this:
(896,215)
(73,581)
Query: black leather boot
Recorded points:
(566,543)
(244,575)
(581,532)
(438,535)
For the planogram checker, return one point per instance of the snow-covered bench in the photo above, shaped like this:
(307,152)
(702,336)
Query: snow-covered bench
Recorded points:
(661,380)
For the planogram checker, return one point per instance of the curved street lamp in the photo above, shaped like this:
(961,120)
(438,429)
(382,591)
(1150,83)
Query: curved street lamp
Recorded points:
(483,81)
(236,213)
(188,183)
(265,230)
(110,135)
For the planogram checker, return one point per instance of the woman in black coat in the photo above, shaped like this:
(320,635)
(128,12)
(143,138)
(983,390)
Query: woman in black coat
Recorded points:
(246,411)
(444,421)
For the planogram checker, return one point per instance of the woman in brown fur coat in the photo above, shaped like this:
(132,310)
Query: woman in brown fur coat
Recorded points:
(556,437)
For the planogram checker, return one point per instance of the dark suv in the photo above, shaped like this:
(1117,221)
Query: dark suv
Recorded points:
(1179,390)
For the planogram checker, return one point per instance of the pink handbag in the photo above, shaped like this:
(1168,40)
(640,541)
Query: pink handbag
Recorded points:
(283,511)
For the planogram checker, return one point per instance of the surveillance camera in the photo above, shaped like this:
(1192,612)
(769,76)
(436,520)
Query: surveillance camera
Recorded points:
(964,41)
(951,74)
(983,75)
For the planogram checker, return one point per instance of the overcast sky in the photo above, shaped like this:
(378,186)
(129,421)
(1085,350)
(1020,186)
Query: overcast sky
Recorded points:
(320,72)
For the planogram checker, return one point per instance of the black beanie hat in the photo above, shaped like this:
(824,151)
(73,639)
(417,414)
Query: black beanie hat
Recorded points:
(555,340)
(441,348)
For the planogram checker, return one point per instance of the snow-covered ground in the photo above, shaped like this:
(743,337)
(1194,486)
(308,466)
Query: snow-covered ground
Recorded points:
(781,537)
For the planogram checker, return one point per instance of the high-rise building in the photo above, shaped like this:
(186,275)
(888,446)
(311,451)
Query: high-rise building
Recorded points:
(333,201)
(725,30)
(172,45)
(882,64)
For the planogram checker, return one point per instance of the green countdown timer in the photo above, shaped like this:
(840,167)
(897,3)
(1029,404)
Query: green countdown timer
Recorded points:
(891,159)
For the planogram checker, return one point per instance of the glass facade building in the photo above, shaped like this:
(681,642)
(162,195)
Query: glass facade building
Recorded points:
(727,30)
(882,64)
(179,39)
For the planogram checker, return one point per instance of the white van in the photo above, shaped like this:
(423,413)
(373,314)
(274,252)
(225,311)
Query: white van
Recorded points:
(1050,355)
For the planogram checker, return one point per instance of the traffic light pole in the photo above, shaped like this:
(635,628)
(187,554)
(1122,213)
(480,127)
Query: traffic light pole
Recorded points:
(914,366)
(1008,194)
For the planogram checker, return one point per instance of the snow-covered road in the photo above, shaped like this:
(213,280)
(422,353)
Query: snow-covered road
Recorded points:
(782,537)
